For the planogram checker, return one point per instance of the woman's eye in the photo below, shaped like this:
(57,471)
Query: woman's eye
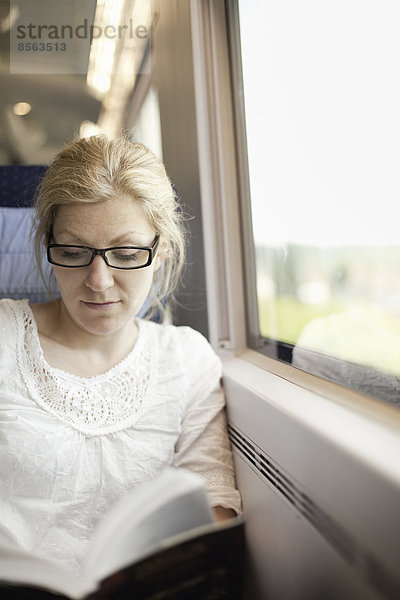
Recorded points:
(127,256)
(73,253)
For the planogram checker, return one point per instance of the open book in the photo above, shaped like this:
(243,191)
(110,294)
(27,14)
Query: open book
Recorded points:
(158,542)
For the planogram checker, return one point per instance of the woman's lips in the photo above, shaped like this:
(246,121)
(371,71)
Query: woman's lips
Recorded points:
(100,305)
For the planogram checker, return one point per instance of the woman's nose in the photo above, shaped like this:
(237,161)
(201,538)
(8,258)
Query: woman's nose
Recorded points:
(99,276)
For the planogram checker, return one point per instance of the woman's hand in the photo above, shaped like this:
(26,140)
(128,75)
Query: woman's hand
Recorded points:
(221,513)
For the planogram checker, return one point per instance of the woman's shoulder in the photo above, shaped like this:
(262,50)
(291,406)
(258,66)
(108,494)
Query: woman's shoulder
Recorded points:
(20,315)
(10,307)
(172,334)
(11,312)
(191,345)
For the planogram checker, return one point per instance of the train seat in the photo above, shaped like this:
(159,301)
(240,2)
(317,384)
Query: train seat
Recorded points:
(19,274)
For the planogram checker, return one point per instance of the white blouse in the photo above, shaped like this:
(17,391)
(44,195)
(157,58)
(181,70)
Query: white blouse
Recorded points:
(70,446)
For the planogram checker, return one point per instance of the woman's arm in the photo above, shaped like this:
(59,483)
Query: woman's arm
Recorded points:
(203,445)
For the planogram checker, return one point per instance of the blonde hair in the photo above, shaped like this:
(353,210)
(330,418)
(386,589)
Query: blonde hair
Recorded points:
(94,169)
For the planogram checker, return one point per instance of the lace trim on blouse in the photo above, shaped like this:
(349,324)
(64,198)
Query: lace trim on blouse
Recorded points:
(105,403)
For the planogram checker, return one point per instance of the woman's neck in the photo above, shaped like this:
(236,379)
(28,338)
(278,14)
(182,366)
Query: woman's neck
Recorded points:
(67,347)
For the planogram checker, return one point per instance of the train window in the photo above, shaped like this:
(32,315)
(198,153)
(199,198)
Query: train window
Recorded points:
(322,125)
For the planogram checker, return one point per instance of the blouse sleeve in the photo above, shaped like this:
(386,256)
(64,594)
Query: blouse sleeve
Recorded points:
(203,445)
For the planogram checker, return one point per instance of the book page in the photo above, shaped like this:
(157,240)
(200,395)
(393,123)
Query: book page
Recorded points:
(173,502)
(205,562)
(20,567)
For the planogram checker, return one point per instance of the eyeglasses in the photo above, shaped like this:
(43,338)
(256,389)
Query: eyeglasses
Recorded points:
(118,257)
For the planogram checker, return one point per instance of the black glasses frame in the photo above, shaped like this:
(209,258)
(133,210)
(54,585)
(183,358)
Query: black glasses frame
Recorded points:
(102,252)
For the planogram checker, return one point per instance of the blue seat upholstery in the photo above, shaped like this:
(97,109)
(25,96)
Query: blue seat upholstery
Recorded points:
(18,184)
(19,275)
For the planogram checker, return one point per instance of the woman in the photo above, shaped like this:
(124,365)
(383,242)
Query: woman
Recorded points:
(93,400)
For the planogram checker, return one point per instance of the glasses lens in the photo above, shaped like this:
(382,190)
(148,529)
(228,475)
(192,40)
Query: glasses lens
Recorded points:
(69,256)
(128,258)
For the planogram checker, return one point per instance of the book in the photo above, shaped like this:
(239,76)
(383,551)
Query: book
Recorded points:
(158,542)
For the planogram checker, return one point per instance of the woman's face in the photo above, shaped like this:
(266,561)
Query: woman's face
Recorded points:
(99,299)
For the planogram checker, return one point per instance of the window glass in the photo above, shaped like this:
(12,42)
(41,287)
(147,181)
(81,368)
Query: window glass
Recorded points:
(147,129)
(322,98)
